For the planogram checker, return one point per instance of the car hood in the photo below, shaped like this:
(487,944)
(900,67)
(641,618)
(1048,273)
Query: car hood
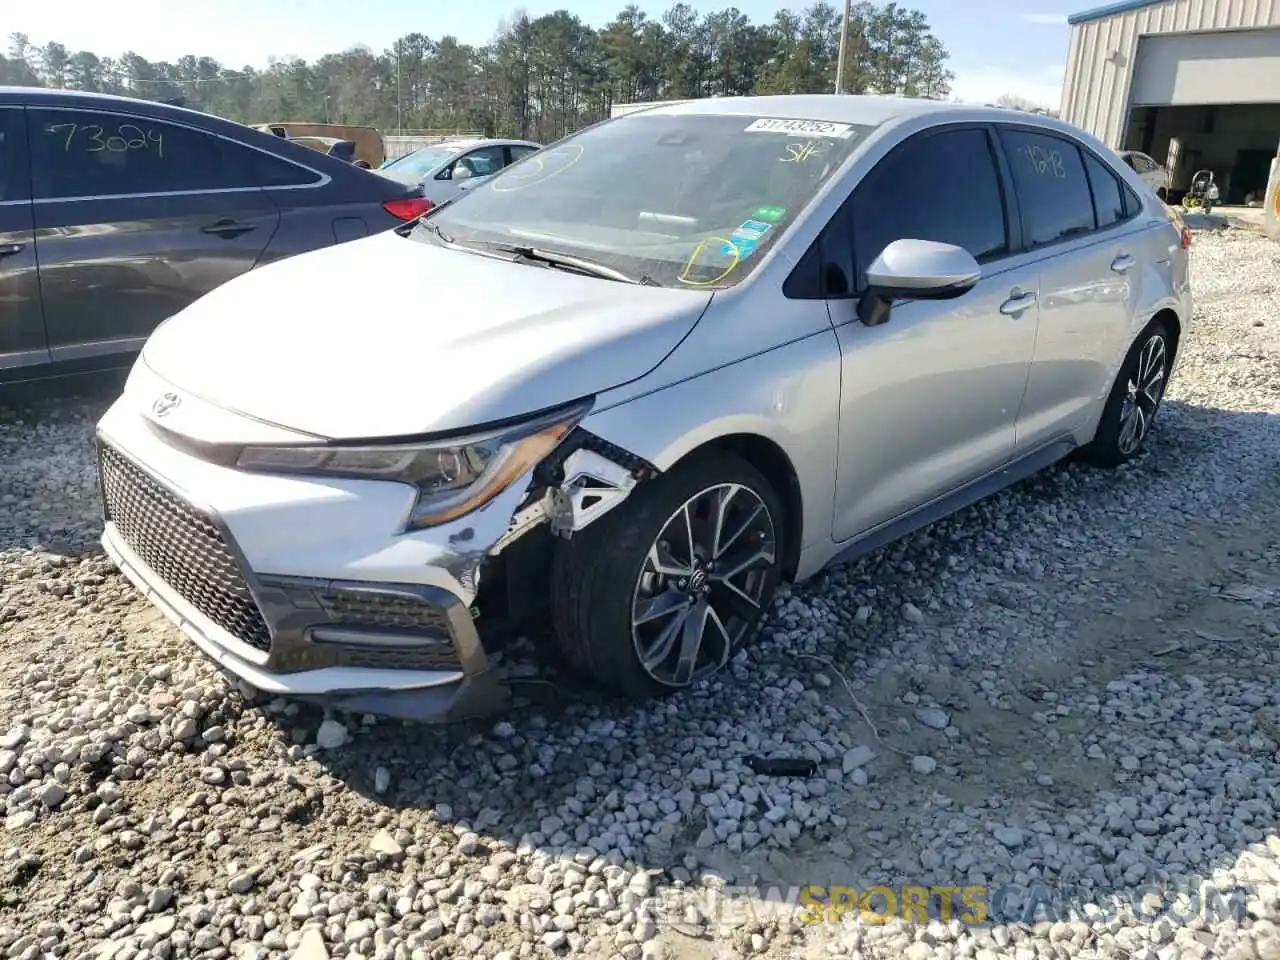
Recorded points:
(390,336)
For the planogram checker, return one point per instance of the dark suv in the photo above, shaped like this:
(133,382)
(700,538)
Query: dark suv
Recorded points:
(116,213)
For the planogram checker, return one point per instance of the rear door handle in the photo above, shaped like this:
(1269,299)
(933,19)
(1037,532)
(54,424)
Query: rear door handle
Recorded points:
(1017,303)
(9,249)
(1122,263)
(229,228)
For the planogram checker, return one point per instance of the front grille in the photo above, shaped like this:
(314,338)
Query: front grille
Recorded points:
(387,610)
(394,613)
(181,546)
(423,658)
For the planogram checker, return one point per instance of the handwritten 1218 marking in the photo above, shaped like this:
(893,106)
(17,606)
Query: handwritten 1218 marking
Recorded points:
(120,142)
(1046,161)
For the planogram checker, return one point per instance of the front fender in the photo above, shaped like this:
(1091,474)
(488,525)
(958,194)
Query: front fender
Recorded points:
(789,395)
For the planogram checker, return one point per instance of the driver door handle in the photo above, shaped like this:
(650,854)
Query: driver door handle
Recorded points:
(9,249)
(229,228)
(1018,301)
(1122,263)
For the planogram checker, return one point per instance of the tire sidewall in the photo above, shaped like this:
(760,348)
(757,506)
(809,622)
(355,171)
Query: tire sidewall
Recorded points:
(623,539)
(1106,443)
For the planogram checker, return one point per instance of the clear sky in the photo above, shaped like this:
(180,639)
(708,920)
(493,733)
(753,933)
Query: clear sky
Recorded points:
(997,46)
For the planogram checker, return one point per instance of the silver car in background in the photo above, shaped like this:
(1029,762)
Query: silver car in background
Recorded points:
(656,369)
(443,170)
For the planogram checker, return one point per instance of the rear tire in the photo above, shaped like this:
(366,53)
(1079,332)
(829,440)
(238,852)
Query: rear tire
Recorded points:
(666,589)
(1134,400)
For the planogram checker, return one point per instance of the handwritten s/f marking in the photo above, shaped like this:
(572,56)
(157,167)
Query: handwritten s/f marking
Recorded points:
(800,152)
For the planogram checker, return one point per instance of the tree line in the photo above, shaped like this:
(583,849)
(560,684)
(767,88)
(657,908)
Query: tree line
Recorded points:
(539,78)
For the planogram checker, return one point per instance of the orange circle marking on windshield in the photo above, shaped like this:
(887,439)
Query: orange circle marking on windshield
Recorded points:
(702,245)
(519,179)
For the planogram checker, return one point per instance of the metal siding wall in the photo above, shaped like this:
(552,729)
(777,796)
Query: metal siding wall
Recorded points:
(1095,93)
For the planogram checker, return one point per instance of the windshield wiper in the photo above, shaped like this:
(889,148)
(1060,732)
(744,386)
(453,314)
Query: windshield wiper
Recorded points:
(578,264)
(547,258)
(432,227)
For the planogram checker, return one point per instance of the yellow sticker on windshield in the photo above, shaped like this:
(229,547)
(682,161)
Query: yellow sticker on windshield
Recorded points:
(724,247)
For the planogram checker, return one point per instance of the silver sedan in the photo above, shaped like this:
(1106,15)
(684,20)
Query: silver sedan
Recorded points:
(648,373)
(445,169)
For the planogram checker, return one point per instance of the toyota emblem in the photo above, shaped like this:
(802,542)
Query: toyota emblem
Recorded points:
(165,403)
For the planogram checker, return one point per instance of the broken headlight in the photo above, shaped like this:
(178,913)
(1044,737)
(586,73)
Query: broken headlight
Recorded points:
(453,477)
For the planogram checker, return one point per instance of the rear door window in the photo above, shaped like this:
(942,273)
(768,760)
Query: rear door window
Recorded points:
(519,153)
(92,153)
(941,186)
(1053,189)
(1108,192)
(482,162)
(12,161)
(268,170)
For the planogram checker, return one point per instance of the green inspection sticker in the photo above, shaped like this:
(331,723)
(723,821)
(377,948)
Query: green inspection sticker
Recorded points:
(770,214)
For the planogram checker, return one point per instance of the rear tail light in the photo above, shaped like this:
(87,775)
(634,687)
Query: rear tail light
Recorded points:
(1186,238)
(407,208)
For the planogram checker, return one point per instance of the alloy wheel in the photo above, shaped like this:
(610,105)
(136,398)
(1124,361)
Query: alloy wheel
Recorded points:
(1142,396)
(701,585)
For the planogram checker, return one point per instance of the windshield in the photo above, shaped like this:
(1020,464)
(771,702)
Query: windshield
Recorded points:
(682,200)
(412,167)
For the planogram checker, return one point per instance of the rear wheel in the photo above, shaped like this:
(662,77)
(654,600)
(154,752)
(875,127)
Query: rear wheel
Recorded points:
(665,590)
(1134,400)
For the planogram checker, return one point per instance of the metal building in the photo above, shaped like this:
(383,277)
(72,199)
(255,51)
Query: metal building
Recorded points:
(1193,83)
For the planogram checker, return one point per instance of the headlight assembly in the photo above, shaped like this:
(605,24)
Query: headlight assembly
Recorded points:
(453,477)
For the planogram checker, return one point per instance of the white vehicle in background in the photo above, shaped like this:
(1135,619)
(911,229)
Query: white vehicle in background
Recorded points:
(1149,172)
(445,169)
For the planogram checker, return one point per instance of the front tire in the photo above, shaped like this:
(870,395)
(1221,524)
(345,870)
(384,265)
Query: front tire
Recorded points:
(1134,400)
(666,589)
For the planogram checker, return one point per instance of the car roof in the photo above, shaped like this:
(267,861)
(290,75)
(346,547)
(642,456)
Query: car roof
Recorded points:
(870,110)
(867,109)
(44,96)
(862,109)
(209,122)
(41,95)
(468,142)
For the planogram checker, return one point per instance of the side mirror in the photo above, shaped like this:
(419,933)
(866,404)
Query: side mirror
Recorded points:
(460,172)
(916,270)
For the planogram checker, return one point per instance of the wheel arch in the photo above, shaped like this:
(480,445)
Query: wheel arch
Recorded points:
(772,461)
(1170,319)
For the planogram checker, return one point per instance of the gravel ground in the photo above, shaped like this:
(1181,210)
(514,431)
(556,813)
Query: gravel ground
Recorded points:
(1073,689)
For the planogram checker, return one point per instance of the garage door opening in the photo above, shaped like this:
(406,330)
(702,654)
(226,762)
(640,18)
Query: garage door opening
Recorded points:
(1236,141)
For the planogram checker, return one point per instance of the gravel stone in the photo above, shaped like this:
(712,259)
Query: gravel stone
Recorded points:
(933,718)
(331,735)
(923,764)
(1010,836)
(859,756)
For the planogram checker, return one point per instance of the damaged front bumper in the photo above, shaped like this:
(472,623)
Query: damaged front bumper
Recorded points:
(310,589)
